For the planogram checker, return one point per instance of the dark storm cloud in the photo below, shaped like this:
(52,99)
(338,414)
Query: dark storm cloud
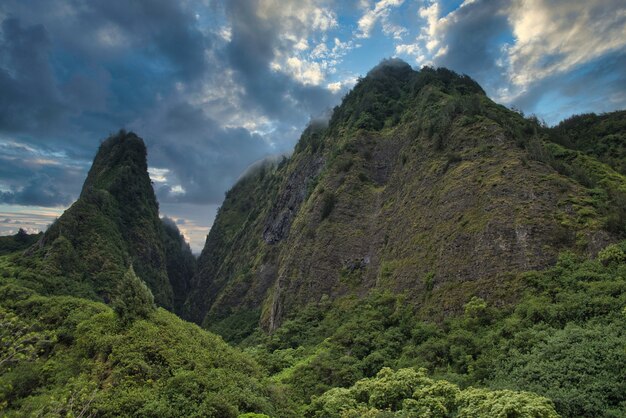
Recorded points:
(250,52)
(205,158)
(38,176)
(29,98)
(39,191)
(74,71)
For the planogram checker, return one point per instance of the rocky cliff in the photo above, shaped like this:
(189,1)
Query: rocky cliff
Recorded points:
(419,184)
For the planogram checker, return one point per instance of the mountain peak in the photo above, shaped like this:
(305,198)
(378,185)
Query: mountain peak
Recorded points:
(113,225)
(124,151)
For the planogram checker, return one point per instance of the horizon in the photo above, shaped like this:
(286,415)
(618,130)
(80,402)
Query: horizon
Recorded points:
(214,87)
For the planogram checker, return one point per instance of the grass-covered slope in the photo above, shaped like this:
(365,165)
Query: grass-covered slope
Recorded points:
(66,356)
(421,185)
(114,223)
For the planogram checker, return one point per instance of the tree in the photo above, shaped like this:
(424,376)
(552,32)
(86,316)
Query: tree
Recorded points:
(134,300)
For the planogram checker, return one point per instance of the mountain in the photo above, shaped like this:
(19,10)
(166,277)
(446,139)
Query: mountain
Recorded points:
(114,224)
(63,352)
(419,184)
(427,227)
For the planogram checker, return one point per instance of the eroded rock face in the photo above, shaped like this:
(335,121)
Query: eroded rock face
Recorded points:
(289,200)
(439,199)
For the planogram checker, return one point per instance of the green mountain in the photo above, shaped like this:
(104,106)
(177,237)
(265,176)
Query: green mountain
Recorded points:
(65,353)
(421,185)
(427,228)
(114,224)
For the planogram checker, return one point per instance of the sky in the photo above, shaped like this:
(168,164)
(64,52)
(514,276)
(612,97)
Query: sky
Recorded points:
(214,86)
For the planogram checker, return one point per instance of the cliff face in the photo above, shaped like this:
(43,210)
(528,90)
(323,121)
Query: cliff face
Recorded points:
(114,223)
(420,184)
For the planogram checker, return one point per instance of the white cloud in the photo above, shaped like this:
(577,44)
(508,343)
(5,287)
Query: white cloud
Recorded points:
(553,37)
(380,12)
(158,175)
(334,87)
(302,24)
(306,72)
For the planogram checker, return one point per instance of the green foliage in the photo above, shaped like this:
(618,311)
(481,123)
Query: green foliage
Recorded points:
(18,242)
(564,341)
(64,356)
(612,254)
(133,298)
(602,136)
(410,393)
(180,263)
(112,225)
(20,340)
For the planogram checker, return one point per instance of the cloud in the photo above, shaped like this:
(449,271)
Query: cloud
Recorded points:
(469,39)
(203,159)
(38,176)
(40,191)
(29,99)
(512,48)
(553,37)
(380,12)
(597,86)
(200,93)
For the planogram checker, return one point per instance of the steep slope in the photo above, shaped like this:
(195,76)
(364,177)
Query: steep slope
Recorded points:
(420,185)
(114,223)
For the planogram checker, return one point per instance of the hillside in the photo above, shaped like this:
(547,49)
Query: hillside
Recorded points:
(420,185)
(114,223)
(180,263)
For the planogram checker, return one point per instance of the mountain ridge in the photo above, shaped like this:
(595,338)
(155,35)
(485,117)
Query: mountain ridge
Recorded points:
(424,149)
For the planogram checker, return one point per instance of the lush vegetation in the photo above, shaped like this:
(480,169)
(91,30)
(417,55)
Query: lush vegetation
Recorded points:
(565,340)
(114,223)
(180,262)
(409,393)
(66,356)
(602,136)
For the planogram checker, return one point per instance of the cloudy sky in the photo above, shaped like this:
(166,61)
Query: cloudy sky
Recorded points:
(213,86)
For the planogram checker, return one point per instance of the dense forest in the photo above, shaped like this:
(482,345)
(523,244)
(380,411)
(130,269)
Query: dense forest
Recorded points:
(425,253)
